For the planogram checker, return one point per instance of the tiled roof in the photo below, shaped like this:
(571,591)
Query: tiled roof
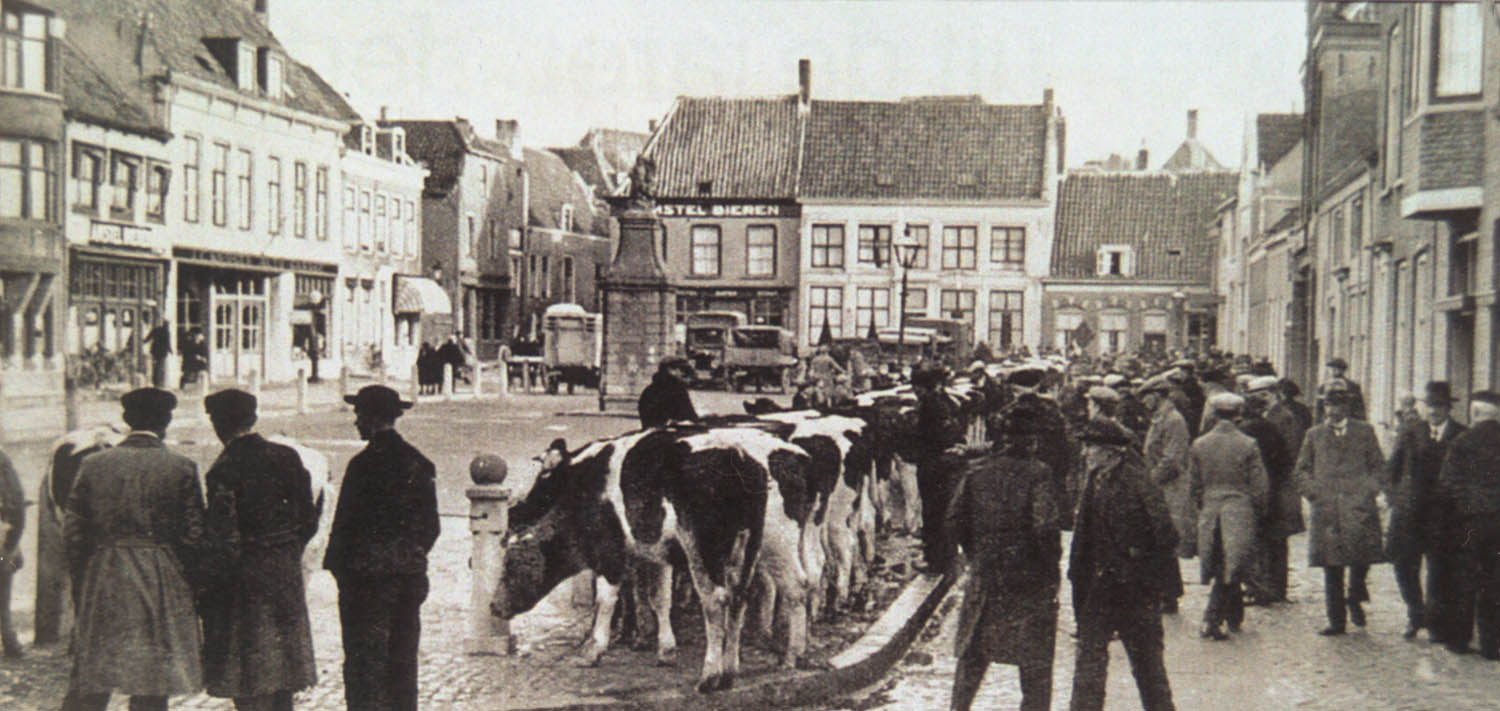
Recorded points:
(1275,135)
(113,50)
(942,148)
(551,184)
(440,145)
(744,147)
(1155,213)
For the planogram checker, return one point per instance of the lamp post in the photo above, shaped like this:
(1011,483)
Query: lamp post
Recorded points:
(906,253)
(314,346)
(1179,307)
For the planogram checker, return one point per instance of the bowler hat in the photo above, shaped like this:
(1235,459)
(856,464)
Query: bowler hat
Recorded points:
(148,401)
(378,399)
(231,404)
(1339,363)
(1439,393)
(1339,397)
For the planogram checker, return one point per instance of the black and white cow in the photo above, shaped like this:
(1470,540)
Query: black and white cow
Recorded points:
(709,497)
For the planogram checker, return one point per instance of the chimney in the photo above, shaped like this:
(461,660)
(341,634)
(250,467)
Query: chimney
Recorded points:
(262,9)
(804,80)
(1192,123)
(1142,157)
(506,131)
(385,113)
(1047,99)
(651,126)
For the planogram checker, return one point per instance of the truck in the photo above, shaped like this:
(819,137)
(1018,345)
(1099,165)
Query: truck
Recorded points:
(572,343)
(760,356)
(706,338)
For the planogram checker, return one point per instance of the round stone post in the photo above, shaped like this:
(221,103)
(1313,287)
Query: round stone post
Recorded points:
(478,378)
(301,392)
(447,381)
(416,382)
(344,381)
(504,377)
(254,382)
(488,509)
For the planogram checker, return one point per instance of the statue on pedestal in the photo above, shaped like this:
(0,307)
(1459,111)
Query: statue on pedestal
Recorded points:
(640,193)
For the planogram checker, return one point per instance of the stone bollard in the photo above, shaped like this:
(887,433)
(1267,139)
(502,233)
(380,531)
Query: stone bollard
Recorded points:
(416,382)
(478,378)
(254,382)
(344,381)
(447,381)
(504,378)
(488,512)
(301,392)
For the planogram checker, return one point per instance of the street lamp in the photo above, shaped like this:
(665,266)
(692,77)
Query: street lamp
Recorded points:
(907,251)
(317,315)
(1179,308)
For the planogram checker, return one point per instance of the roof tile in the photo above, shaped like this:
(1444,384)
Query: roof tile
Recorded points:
(743,147)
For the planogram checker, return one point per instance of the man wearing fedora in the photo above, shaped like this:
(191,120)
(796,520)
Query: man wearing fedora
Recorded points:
(1468,481)
(133,528)
(257,641)
(1419,518)
(384,526)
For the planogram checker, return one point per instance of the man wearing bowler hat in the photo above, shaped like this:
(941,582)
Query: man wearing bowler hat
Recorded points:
(133,527)
(257,642)
(383,528)
(1468,480)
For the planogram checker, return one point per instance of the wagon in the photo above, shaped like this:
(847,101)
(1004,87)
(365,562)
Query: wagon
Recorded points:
(572,342)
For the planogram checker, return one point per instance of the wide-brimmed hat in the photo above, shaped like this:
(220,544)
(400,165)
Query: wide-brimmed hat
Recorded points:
(1439,393)
(379,400)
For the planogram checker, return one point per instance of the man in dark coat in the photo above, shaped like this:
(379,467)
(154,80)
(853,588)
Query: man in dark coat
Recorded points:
(257,643)
(384,526)
(1046,439)
(1419,523)
(1166,452)
(939,429)
(1192,390)
(1289,394)
(1339,471)
(134,535)
(1282,517)
(1121,532)
(159,339)
(12,522)
(1469,482)
(666,399)
(1004,517)
(1337,380)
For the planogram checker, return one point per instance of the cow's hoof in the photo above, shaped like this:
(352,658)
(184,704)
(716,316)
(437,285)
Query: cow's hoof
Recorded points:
(717,682)
(591,657)
(667,658)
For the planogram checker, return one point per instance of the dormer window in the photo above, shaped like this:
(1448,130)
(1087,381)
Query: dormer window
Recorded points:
(269,68)
(1116,260)
(705,187)
(398,143)
(366,139)
(244,70)
(565,220)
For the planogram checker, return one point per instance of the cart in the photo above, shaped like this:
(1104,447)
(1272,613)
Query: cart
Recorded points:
(572,345)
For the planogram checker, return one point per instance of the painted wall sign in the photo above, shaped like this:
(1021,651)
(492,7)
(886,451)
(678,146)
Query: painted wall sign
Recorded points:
(721,209)
(121,235)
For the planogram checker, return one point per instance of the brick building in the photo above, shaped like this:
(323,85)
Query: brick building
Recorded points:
(566,245)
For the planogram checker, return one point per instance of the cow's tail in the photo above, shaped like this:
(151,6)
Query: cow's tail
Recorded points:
(757,524)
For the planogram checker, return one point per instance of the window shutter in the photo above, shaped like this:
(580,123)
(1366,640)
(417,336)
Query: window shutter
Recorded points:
(1101,262)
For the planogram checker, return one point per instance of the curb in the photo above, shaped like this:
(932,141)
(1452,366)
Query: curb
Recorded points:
(863,664)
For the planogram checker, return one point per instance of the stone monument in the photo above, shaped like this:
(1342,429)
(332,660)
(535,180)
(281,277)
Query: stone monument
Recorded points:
(640,306)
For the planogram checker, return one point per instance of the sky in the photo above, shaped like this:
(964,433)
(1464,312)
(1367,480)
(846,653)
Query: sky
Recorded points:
(1124,73)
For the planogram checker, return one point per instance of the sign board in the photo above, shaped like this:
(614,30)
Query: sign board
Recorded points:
(116,234)
(727,209)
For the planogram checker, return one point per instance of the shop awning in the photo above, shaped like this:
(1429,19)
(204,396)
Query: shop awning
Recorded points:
(420,295)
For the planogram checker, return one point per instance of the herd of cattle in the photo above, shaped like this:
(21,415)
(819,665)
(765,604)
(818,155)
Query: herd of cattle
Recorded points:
(778,507)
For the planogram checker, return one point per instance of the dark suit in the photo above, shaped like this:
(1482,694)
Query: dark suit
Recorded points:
(664,400)
(1282,516)
(1418,517)
(939,427)
(1470,482)
(385,524)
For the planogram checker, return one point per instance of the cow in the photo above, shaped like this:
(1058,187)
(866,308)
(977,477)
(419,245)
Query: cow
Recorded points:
(712,498)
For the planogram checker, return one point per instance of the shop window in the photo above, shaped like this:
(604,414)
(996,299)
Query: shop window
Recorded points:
(27,172)
(960,247)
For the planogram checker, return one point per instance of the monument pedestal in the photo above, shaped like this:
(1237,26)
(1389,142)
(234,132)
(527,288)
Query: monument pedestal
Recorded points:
(640,313)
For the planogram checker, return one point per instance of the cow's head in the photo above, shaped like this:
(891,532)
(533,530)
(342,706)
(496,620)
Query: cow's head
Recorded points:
(536,560)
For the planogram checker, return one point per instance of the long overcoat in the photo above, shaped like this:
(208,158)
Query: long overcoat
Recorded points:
(256,636)
(1167,443)
(134,533)
(1282,516)
(1420,520)
(1123,537)
(1340,475)
(1004,515)
(1230,487)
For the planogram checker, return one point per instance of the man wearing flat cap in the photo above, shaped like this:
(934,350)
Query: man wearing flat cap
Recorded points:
(1230,489)
(1338,380)
(1468,480)
(257,643)
(1166,452)
(1122,534)
(1339,471)
(1282,517)
(1047,439)
(384,526)
(939,429)
(133,527)
(666,399)
(1420,518)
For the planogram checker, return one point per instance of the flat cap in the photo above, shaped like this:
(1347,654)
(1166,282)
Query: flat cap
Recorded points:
(1026,377)
(1338,363)
(673,362)
(230,404)
(1226,402)
(378,399)
(1486,396)
(1115,380)
(1155,384)
(1262,382)
(1103,394)
(149,401)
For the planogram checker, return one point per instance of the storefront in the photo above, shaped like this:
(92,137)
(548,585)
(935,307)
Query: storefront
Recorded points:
(762,307)
(114,302)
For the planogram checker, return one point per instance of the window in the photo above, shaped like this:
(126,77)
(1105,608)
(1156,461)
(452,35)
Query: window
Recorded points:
(364,220)
(299,199)
(320,205)
(242,189)
(706,241)
(492,241)
(515,239)
(411,228)
(545,280)
(1006,319)
(394,232)
(88,176)
(960,247)
(190,184)
(760,250)
(27,173)
(958,304)
(124,180)
(871,306)
(350,224)
(1113,331)
(273,196)
(569,294)
(1457,44)
(380,223)
(220,166)
(828,246)
(565,219)
(473,234)
(1115,261)
(24,61)
(1413,67)
(916,302)
(531,276)
(1008,247)
(874,245)
(157,179)
(825,305)
(921,237)
(515,275)
(1356,225)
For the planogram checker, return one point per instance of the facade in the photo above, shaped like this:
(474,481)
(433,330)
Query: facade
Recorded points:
(385,299)
(970,185)
(32,252)
(1134,257)
(566,246)
(726,193)
(473,207)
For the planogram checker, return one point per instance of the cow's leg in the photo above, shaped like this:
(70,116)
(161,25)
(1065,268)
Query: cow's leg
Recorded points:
(741,558)
(714,601)
(605,595)
(765,595)
(814,561)
(661,604)
(781,564)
